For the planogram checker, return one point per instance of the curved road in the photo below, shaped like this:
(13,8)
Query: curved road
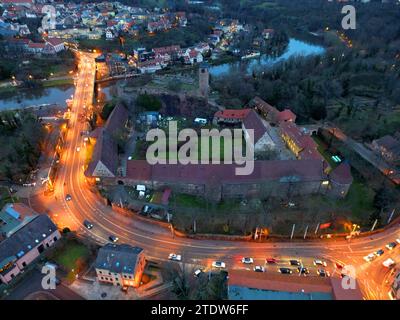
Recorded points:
(159,242)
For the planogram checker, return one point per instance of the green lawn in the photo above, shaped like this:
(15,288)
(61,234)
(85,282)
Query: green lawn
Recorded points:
(198,153)
(70,254)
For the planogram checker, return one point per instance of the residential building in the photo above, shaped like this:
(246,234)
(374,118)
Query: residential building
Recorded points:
(25,243)
(230,116)
(14,216)
(54,45)
(268,34)
(120,265)
(387,147)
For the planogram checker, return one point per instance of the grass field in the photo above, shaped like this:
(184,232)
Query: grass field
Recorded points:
(199,149)
(71,253)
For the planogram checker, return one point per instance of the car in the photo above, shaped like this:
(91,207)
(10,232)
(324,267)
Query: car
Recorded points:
(68,197)
(271,261)
(218,264)
(198,272)
(259,269)
(247,260)
(113,238)
(78,149)
(319,263)
(379,252)
(175,257)
(322,273)
(389,263)
(285,270)
(339,265)
(303,270)
(398,240)
(391,245)
(369,257)
(294,262)
(88,224)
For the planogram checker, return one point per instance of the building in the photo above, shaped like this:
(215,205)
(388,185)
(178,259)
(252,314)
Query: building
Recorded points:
(54,45)
(268,33)
(300,143)
(120,265)
(270,113)
(230,116)
(243,285)
(13,217)
(167,53)
(275,178)
(27,241)
(204,79)
(262,140)
(388,147)
(104,162)
(394,292)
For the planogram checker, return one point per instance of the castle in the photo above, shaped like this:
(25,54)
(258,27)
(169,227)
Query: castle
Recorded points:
(306,173)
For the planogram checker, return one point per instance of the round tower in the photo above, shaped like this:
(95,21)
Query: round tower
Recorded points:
(204,78)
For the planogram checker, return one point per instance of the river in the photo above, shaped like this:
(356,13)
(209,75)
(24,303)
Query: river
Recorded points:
(294,48)
(35,97)
(58,95)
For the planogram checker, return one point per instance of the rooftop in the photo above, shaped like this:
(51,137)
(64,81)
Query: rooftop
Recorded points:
(26,238)
(118,258)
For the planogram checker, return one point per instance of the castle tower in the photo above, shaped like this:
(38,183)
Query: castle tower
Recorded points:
(204,78)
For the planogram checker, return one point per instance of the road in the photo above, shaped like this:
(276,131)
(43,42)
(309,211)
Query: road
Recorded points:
(158,242)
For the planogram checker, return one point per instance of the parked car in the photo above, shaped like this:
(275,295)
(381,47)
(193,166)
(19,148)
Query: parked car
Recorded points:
(88,224)
(294,262)
(319,263)
(68,197)
(303,270)
(285,270)
(78,149)
(218,264)
(389,263)
(322,273)
(379,252)
(271,261)
(369,257)
(259,269)
(247,260)
(391,245)
(113,238)
(398,240)
(339,265)
(175,257)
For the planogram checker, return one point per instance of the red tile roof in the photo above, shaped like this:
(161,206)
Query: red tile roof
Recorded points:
(273,170)
(54,41)
(277,282)
(239,114)
(341,294)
